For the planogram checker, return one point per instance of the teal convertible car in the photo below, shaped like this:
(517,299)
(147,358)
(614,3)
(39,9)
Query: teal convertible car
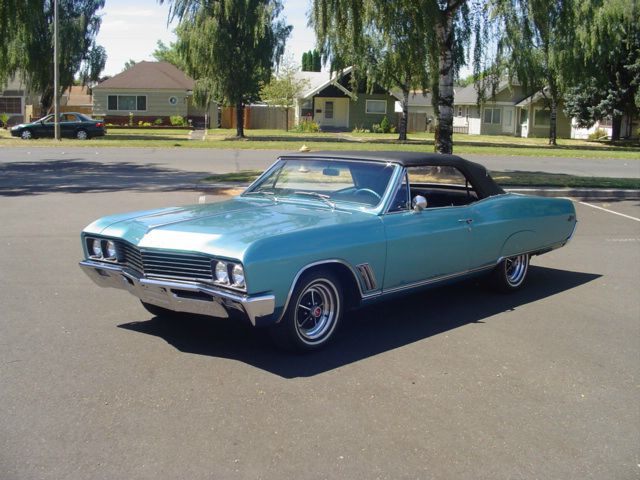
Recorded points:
(318,234)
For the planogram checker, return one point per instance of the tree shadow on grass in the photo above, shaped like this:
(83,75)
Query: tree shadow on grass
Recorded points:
(366,332)
(79,176)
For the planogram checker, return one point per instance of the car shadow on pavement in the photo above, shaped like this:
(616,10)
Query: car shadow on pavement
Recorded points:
(366,332)
(75,175)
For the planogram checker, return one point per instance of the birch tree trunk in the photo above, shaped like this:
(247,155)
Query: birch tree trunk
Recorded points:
(445,38)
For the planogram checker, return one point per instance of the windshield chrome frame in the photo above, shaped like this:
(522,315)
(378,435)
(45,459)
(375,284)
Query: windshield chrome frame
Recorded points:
(377,210)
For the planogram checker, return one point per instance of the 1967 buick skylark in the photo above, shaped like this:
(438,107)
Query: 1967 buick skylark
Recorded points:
(319,233)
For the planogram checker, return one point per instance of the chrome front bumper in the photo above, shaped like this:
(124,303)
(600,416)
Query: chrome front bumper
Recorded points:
(186,297)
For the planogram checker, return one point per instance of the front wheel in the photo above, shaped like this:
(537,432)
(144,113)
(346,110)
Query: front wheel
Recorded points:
(313,314)
(511,273)
(26,135)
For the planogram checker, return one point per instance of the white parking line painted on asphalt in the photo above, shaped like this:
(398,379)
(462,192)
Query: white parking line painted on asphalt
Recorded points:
(610,211)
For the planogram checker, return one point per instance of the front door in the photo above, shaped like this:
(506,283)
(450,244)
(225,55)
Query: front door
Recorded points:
(329,116)
(426,245)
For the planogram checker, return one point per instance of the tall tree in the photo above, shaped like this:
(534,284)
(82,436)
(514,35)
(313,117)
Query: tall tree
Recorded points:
(26,27)
(305,62)
(284,88)
(128,64)
(230,48)
(390,49)
(606,56)
(439,31)
(535,46)
(168,53)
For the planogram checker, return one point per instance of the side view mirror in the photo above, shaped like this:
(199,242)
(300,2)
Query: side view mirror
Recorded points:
(418,203)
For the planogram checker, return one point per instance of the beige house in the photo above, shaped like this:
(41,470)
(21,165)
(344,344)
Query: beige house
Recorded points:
(15,102)
(149,91)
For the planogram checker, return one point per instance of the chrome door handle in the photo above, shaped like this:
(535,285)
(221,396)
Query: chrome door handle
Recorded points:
(466,220)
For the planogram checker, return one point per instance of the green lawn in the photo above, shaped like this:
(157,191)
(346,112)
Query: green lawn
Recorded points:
(291,141)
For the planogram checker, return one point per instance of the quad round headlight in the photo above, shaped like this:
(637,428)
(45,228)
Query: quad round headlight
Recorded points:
(96,247)
(222,273)
(237,275)
(111,250)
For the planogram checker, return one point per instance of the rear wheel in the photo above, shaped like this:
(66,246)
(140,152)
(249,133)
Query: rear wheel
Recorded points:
(511,273)
(313,314)
(82,134)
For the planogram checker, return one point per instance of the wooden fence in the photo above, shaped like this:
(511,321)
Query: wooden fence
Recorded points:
(258,117)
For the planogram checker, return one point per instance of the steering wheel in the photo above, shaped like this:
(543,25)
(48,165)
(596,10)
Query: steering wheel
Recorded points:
(369,192)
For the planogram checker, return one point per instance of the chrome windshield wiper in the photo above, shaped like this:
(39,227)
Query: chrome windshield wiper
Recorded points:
(319,196)
(270,195)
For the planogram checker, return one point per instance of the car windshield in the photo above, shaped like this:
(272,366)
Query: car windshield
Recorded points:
(326,181)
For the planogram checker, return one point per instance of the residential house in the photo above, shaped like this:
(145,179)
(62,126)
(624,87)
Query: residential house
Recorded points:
(330,101)
(149,91)
(77,98)
(15,102)
(534,116)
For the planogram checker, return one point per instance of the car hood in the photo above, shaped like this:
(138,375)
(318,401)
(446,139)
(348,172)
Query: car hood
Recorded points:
(225,229)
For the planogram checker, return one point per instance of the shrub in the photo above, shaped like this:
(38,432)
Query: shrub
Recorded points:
(385,126)
(4,118)
(598,134)
(307,126)
(130,119)
(177,120)
(140,122)
(146,124)
(158,122)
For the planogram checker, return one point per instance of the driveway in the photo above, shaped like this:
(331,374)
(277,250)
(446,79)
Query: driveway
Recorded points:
(458,382)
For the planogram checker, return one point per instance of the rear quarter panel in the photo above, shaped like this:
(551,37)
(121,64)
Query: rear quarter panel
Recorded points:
(511,224)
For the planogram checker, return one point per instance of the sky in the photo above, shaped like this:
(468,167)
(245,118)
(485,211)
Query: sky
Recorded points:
(131,29)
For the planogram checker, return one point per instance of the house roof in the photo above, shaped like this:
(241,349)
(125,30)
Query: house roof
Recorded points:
(530,99)
(318,81)
(153,75)
(77,96)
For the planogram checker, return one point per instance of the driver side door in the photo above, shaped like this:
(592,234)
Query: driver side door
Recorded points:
(427,245)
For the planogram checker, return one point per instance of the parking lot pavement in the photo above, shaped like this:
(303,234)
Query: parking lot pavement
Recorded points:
(454,383)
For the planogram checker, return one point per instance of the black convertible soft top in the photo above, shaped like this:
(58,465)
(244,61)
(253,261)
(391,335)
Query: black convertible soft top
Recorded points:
(477,175)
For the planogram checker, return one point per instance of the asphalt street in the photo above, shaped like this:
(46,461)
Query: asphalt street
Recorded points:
(455,383)
(110,169)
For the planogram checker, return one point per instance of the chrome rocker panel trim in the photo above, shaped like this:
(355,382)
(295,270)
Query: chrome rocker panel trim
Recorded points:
(175,295)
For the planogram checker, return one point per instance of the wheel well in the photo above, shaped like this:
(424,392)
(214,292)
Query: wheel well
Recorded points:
(350,289)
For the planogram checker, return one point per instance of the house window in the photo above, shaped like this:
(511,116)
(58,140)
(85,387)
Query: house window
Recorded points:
(541,117)
(173,100)
(10,105)
(508,117)
(492,115)
(459,111)
(127,102)
(378,107)
(467,112)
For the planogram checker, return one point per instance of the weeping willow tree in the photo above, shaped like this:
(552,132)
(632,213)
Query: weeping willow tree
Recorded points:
(383,40)
(26,52)
(230,47)
(404,43)
(606,60)
(535,46)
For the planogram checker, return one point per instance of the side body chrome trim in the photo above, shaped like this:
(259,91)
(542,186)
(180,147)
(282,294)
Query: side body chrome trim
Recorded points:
(441,278)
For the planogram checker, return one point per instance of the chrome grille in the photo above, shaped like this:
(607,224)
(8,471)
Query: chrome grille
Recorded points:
(175,265)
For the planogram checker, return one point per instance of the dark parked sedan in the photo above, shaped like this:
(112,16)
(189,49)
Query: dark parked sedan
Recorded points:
(74,125)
